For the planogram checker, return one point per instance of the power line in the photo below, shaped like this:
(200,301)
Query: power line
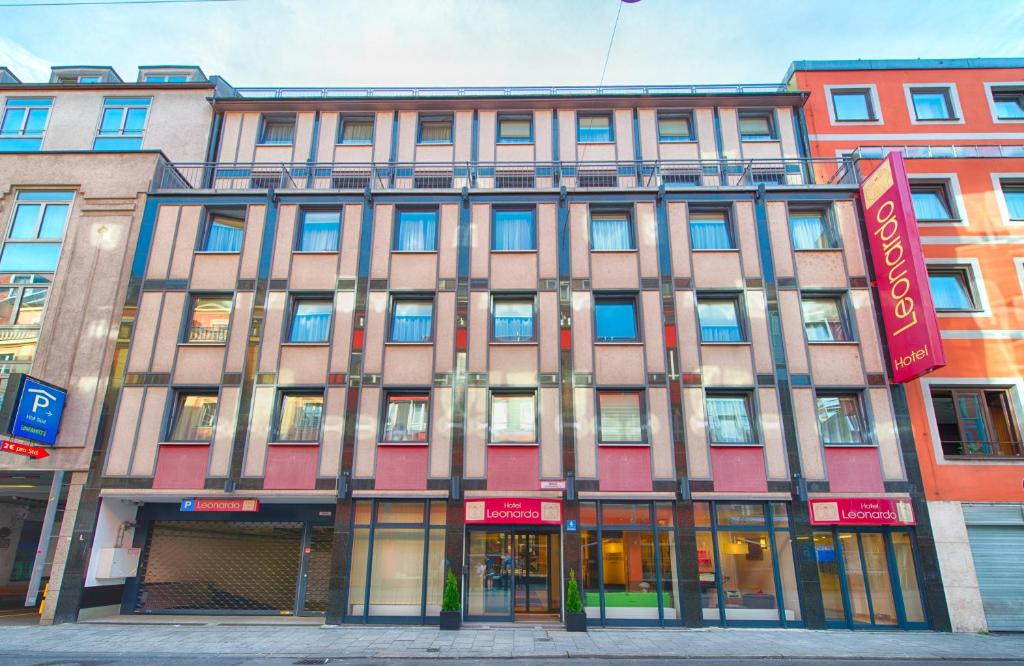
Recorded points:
(80,3)
(608,54)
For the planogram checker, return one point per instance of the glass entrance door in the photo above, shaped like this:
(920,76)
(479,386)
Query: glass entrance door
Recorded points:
(534,584)
(490,581)
(512,575)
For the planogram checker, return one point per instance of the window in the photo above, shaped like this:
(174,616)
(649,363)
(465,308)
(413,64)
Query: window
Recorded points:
(311,319)
(23,124)
(299,416)
(435,129)
(952,289)
(825,319)
(812,230)
(277,129)
(224,231)
(673,127)
(1013,195)
(1009,103)
(416,231)
(37,227)
(22,300)
(406,417)
(611,231)
(513,230)
(711,231)
(620,417)
(931,201)
(594,128)
(615,318)
(515,128)
(166,78)
(974,421)
(756,126)
(932,103)
(841,420)
(412,319)
(513,319)
(853,104)
(319,231)
(122,123)
(513,417)
(194,417)
(719,319)
(729,419)
(209,317)
(355,129)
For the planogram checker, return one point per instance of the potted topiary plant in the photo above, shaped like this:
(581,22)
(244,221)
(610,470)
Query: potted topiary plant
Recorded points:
(451,606)
(575,617)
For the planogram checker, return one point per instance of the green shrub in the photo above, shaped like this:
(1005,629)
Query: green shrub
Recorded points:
(573,602)
(450,601)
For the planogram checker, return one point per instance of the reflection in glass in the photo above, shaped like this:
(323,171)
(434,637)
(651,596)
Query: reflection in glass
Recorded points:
(856,587)
(489,590)
(706,574)
(828,575)
(357,571)
(748,580)
(787,575)
(876,565)
(669,584)
(590,580)
(907,571)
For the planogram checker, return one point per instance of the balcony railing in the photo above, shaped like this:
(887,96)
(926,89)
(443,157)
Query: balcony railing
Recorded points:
(985,449)
(939,152)
(511,91)
(374,177)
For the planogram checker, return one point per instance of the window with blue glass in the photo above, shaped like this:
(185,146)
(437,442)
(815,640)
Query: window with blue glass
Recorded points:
(615,318)
(1009,103)
(167,78)
(355,130)
(277,129)
(416,231)
(514,230)
(594,128)
(435,128)
(952,289)
(37,227)
(853,104)
(931,201)
(513,319)
(729,419)
(826,318)
(812,230)
(123,123)
(515,128)
(319,231)
(711,231)
(932,103)
(1013,195)
(412,319)
(719,319)
(223,230)
(611,230)
(674,126)
(311,319)
(24,123)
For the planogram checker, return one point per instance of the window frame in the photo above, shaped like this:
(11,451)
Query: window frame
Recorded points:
(596,114)
(727,218)
(645,430)
(19,300)
(283,393)
(748,400)
(301,227)
(994,88)
(209,214)
(688,115)
(514,115)
(512,391)
(738,303)
(617,297)
(15,103)
(862,414)
(498,296)
(435,117)
(193,300)
(846,316)
(120,136)
(828,221)
(417,296)
(870,94)
(1001,183)
(383,422)
(971,282)
(69,197)
(396,223)
(948,194)
(276,118)
(178,397)
(949,92)
(768,114)
(339,138)
(532,209)
(627,213)
(297,298)
(1010,391)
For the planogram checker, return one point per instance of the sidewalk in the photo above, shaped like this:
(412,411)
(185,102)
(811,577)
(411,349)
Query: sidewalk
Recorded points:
(237,640)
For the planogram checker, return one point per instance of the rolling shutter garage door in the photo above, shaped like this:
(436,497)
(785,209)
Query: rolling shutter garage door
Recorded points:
(996,532)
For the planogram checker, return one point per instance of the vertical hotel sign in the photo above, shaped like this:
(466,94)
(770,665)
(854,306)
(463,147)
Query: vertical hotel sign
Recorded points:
(911,326)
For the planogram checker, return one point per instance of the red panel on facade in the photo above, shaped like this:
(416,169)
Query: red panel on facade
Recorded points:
(460,339)
(181,466)
(739,469)
(854,470)
(513,468)
(670,336)
(291,467)
(624,468)
(401,468)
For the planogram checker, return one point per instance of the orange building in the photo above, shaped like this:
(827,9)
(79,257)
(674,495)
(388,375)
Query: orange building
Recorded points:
(960,126)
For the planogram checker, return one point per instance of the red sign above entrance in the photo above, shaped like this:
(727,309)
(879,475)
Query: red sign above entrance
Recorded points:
(513,511)
(23,449)
(861,511)
(911,327)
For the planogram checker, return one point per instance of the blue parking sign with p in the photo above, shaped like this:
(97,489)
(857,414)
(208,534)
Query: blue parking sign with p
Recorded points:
(38,411)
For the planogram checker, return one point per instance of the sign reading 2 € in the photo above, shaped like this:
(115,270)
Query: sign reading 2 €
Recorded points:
(37,411)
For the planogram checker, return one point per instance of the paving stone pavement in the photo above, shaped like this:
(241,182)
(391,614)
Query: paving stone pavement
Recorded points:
(351,642)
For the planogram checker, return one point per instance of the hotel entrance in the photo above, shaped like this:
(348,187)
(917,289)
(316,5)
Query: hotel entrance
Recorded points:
(513,574)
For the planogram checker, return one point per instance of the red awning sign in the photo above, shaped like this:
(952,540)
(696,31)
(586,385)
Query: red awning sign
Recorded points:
(861,511)
(34,452)
(513,511)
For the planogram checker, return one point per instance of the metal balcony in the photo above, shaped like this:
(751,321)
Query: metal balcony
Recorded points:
(508,91)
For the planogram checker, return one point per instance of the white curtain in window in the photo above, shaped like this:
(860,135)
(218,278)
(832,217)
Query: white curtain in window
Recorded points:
(224,236)
(357,131)
(709,234)
(621,420)
(278,132)
(1015,203)
(513,230)
(513,418)
(406,419)
(928,205)
(411,322)
(949,292)
(809,232)
(436,131)
(823,319)
(729,421)
(417,232)
(719,321)
(611,233)
(839,420)
(513,321)
(311,322)
(320,232)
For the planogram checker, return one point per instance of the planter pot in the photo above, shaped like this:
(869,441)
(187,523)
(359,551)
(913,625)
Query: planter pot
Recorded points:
(575,621)
(451,620)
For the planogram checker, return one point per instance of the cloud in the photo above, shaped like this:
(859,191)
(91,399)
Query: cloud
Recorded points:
(27,66)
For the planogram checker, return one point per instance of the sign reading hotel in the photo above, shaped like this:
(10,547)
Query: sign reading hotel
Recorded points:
(911,326)
(861,511)
(513,511)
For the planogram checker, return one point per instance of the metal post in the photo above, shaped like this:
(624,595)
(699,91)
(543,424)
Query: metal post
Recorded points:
(43,549)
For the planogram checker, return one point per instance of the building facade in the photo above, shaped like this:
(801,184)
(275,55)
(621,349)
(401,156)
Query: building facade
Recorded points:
(78,156)
(623,332)
(960,126)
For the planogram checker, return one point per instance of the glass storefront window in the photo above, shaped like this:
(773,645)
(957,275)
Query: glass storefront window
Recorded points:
(490,574)
(739,515)
(357,572)
(780,515)
(396,574)
(629,575)
(706,574)
(438,513)
(588,513)
(625,514)
(828,575)
(906,569)
(590,579)
(877,569)
(664,514)
(748,581)
(400,512)
(364,510)
(702,514)
(669,585)
(787,575)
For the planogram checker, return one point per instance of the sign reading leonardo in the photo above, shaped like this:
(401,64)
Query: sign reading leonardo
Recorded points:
(861,511)
(911,326)
(517,511)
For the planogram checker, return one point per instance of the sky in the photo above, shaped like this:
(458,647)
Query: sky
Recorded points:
(497,42)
